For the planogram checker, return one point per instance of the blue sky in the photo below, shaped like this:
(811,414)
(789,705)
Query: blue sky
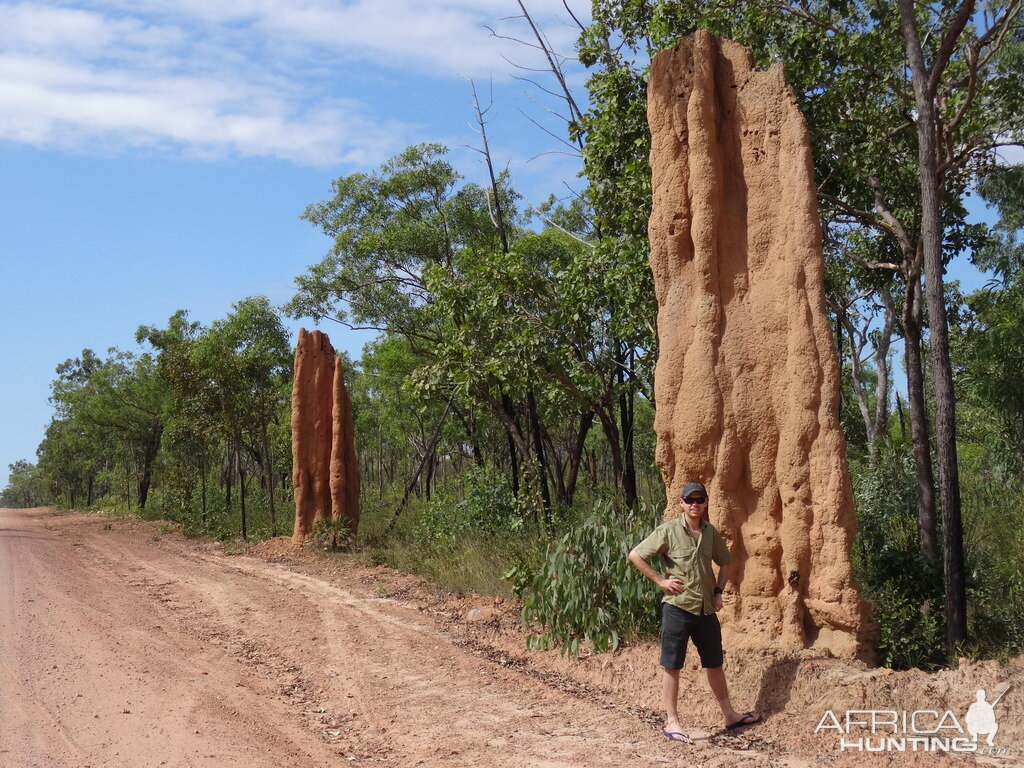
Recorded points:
(156,154)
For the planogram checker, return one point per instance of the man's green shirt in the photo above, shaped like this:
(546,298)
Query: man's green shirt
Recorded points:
(689,560)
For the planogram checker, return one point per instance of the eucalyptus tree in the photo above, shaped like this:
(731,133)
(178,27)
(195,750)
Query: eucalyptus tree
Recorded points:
(389,230)
(190,436)
(226,387)
(24,486)
(70,457)
(121,401)
(500,318)
(407,242)
(246,357)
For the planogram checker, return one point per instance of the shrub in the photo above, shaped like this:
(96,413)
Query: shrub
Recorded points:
(332,534)
(584,592)
(903,587)
(489,508)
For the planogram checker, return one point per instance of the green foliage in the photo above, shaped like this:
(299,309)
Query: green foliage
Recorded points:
(585,593)
(535,335)
(911,634)
(487,508)
(993,503)
(333,534)
(903,587)
(25,486)
(990,346)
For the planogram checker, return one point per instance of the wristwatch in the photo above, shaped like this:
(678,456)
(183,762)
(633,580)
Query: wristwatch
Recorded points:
(718,590)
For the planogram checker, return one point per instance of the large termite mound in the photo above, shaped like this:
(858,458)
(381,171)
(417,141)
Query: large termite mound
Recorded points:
(747,383)
(344,469)
(324,470)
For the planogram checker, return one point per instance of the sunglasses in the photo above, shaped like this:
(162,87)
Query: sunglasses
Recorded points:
(695,499)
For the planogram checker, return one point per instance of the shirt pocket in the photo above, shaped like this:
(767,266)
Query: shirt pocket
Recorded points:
(705,550)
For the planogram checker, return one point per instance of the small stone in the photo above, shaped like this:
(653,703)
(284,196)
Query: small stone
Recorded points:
(478,615)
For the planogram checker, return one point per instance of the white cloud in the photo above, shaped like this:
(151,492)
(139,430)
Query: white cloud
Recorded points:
(43,103)
(243,77)
(443,37)
(29,28)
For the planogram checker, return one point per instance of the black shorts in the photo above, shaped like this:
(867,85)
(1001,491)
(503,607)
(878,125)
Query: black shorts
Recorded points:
(678,626)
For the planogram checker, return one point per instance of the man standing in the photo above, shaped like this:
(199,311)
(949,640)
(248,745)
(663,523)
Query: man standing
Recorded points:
(687,545)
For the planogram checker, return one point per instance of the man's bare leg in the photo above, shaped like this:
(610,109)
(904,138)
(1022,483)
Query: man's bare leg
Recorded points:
(716,678)
(670,695)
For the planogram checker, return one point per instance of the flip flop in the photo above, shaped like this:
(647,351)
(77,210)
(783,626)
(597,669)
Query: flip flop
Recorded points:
(677,736)
(748,718)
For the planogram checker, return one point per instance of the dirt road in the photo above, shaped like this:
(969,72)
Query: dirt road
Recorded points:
(121,650)
(125,645)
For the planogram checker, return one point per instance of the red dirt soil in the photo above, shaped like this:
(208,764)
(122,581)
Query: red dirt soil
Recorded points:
(124,644)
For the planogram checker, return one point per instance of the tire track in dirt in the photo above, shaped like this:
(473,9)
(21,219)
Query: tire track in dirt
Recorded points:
(96,672)
(135,649)
(405,680)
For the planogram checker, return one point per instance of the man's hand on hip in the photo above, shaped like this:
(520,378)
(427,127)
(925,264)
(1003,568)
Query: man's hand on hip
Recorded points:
(672,585)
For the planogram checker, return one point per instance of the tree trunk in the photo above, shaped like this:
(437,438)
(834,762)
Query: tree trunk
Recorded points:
(919,429)
(145,478)
(506,414)
(202,484)
(269,470)
(880,426)
(469,426)
(152,448)
(626,407)
(241,485)
(575,458)
(903,421)
(556,473)
(542,465)
(925,84)
(229,476)
(428,475)
(611,433)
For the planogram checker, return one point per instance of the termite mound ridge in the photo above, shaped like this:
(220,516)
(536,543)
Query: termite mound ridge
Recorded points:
(325,474)
(747,382)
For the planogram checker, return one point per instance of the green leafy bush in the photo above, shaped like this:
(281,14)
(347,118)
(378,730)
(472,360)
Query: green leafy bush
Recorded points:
(910,633)
(584,592)
(489,507)
(332,534)
(903,587)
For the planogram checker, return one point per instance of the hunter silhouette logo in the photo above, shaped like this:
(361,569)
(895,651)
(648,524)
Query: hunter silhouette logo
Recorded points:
(920,730)
(981,716)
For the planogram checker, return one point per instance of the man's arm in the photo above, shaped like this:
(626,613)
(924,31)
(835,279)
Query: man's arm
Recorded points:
(721,556)
(723,578)
(671,585)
